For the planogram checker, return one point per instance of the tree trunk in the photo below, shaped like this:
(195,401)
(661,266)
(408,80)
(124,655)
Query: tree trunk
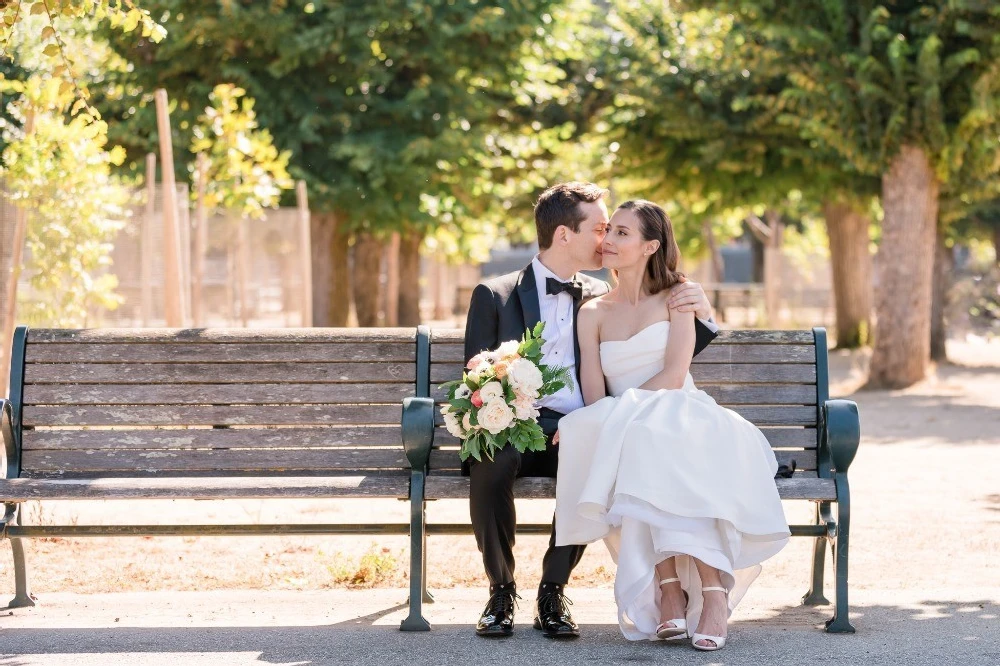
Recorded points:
(409,277)
(996,243)
(770,234)
(851,261)
(331,274)
(944,262)
(910,193)
(714,253)
(392,281)
(367,274)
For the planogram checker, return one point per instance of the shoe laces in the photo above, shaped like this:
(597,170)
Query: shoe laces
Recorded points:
(502,601)
(552,602)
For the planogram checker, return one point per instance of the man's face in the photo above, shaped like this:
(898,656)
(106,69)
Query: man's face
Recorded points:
(584,246)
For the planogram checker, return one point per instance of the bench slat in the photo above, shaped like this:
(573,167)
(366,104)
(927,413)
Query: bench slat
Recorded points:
(457,335)
(714,353)
(206,488)
(194,352)
(221,335)
(800,486)
(445,460)
(119,461)
(216,373)
(159,415)
(790,438)
(760,416)
(209,438)
(736,394)
(706,373)
(216,394)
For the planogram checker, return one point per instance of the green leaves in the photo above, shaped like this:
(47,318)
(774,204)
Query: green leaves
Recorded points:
(60,173)
(246,173)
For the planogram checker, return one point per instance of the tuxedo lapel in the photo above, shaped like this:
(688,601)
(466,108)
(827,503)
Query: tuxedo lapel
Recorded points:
(527,293)
(587,295)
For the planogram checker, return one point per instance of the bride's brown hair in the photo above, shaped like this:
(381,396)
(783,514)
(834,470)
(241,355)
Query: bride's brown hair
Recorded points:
(654,224)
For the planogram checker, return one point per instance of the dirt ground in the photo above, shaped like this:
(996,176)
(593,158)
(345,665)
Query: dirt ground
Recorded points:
(925,490)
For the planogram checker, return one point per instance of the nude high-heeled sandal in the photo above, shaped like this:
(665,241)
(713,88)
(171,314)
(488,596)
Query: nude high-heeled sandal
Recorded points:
(720,641)
(677,632)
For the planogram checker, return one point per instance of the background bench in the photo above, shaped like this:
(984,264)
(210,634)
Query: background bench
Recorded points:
(779,380)
(205,414)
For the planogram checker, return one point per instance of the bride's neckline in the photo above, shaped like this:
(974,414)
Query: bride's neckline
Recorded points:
(629,339)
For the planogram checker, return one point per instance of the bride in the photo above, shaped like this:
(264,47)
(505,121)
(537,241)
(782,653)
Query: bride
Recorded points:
(680,489)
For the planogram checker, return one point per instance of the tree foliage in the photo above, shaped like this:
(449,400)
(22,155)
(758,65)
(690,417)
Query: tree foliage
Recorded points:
(386,108)
(60,173)
(246,173)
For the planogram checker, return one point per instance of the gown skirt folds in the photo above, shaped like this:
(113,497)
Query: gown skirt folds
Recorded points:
(666,473)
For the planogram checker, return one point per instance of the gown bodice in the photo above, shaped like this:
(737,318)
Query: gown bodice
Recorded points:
(631,363)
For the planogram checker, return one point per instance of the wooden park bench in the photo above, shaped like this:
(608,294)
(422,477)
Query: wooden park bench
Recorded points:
(329,413)
(211,414)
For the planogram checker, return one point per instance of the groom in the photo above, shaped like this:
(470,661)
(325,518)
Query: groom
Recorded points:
(571,220)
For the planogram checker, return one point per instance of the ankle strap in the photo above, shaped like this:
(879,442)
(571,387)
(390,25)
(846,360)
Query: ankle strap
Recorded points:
(669,580)
(714,589)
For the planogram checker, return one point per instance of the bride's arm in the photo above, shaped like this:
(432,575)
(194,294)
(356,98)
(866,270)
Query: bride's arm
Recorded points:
(591,373)
(680,350)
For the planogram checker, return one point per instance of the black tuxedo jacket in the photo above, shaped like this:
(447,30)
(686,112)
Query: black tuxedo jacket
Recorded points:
(504,307)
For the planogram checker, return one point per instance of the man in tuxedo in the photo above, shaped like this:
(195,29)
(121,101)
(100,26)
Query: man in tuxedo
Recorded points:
(571,220)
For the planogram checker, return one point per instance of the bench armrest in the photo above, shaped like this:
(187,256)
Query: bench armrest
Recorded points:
(842,432)
(418,431)
(8,452)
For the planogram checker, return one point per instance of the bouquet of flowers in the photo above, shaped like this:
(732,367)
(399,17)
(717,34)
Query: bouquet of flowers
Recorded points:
(493,405)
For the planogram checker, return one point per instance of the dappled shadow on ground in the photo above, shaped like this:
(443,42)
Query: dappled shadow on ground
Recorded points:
(929,632)
(992,502)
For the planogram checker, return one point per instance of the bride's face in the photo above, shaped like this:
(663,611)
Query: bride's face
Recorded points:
(624,246)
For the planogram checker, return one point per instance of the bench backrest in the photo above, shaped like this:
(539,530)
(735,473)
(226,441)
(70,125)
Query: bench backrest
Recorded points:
(162,402)
(774,379)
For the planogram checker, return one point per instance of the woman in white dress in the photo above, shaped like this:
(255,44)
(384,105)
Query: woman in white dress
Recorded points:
(681,490)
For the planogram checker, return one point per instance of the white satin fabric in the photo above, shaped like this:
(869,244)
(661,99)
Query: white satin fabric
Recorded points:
(658,474)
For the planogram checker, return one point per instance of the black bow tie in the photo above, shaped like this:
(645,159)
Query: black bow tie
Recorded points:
(573,288)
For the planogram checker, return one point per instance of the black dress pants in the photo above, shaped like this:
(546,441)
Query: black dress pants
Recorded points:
(491,504)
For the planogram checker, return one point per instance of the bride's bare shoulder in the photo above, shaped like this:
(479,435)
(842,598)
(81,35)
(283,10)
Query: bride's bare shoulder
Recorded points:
(592,313)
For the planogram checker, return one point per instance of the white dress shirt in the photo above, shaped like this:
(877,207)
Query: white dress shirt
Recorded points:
(557,312)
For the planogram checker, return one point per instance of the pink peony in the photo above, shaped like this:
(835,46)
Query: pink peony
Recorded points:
(476,399)
(474,361)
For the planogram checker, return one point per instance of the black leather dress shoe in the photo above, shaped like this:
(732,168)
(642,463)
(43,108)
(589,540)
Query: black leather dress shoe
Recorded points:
(554,618)
(497,620)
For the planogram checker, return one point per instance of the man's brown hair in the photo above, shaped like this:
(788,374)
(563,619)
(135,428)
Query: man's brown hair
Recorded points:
(560,206)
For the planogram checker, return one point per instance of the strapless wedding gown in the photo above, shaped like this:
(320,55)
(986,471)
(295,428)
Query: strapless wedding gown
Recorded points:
(665,473)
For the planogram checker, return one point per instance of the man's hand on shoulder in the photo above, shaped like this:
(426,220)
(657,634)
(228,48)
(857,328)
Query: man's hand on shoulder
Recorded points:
(688,296)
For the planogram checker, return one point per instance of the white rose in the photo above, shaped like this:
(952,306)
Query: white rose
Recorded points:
(463,391)
(473,376)
(453,426)
(525,377)
(491,391)
(508,348)
(467,422)
(495,416)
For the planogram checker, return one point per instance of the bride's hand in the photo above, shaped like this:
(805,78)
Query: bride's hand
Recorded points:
(690,296)
(555,438)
